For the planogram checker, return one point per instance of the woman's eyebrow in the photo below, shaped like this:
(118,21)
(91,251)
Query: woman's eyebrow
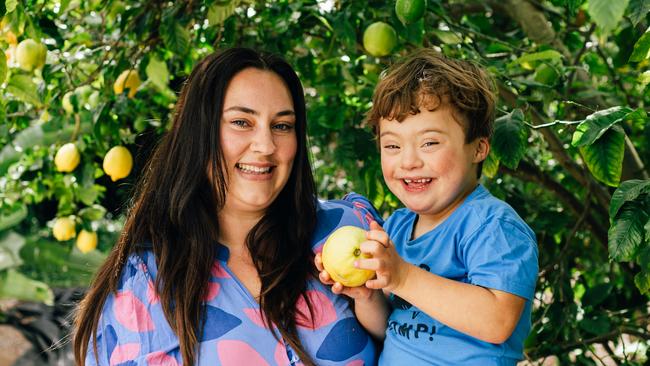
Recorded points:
(287,112)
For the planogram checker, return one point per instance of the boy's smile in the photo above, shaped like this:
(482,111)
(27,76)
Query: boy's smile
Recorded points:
(427,164)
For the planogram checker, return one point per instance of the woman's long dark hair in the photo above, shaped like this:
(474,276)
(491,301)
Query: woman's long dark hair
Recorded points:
(175,208)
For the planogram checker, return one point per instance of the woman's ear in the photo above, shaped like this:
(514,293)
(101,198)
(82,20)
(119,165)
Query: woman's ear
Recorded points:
(482,149)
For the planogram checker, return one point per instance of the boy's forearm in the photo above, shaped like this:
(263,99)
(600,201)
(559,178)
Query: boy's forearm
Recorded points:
(482,313)
(372,314)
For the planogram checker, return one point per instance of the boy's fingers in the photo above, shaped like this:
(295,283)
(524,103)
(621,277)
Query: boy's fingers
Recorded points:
(376,284)
(375,226)
(372,264)
(379,236)
(371,247)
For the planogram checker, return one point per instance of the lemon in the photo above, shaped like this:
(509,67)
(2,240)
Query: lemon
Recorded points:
(128,79)
(340,251)
(67,158)
(86,241)
(410,11)
(64,229)
(379,39)
(30,54)
(118,163)
(66,103)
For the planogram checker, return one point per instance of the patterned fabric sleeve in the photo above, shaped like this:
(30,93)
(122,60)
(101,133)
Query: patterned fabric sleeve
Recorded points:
(363,206)
(132,329)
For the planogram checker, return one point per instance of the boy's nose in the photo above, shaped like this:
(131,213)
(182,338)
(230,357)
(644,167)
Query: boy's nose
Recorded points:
(410,159)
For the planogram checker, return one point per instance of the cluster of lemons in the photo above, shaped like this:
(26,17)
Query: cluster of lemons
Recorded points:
(380,38)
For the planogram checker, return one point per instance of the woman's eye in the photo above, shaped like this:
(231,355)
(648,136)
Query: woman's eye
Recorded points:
(240,123)
(283,127)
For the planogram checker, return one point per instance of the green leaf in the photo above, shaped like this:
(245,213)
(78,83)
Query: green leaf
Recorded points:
(627,191)
(10,245)
(642,282)
(23,88)
(596,124)
(637,10)
(528,59)
(644,78)
(92,213)
(510,138)
(641,48)
(607,13)
(604,157)
(158,73)
(596,325)
(15,285)
(176,38)
(447,36)
(597,294)
(490,165)
(627,231)
(10,5)
(217,13)
(13,217)
(3,66)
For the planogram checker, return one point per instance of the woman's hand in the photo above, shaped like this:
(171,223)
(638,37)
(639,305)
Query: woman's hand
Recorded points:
(359,293)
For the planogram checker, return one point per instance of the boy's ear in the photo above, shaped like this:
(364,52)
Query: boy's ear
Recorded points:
(482,149)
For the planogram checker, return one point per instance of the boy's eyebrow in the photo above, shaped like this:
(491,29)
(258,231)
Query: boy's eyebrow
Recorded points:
(286,112)
(421,132)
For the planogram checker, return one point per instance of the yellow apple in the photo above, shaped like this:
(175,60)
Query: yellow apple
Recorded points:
(340,251)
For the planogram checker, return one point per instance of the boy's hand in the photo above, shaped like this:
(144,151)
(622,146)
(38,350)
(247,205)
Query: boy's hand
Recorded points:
(390,268)
(360,293)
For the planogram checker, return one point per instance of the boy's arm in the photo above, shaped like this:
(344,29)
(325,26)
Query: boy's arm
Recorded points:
(370,306)
(487,314)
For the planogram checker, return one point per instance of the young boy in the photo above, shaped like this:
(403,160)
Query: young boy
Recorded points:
(460,276)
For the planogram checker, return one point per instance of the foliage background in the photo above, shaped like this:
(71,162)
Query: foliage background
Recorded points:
(568,153)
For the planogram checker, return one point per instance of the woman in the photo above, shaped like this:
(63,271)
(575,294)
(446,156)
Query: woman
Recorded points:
(215,263)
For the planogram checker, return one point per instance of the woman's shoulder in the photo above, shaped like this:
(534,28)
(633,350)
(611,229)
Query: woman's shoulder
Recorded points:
(353,210)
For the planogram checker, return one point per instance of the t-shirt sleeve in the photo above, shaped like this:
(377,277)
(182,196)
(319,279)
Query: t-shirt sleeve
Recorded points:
(502,255)
(364,207)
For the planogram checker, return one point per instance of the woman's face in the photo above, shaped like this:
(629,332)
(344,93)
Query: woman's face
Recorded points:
(258,139)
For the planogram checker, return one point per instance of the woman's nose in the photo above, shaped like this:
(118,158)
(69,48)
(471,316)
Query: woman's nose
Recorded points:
(263,142)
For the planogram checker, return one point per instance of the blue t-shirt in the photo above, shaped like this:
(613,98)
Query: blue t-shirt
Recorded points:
(483,242)
(133,331)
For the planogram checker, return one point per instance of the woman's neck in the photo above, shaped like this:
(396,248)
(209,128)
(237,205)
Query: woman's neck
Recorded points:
(234,226)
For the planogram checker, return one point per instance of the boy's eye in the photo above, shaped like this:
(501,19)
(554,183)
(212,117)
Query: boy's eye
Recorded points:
(390,147)
(430,143)
(283,127)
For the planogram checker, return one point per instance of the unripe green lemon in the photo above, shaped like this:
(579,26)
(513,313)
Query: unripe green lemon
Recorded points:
(340,251)
(67,158)
(118,163)
(64,229)
(410,11)
(128,79)
(379,39)
(86,241)
(30,54)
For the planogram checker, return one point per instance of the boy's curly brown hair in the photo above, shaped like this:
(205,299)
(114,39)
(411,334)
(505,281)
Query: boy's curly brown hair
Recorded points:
(431,80)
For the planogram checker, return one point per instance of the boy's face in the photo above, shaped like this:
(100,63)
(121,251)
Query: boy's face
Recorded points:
(426,162)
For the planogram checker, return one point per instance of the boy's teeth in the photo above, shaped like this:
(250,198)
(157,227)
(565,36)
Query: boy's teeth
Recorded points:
(422,180)
(253,169)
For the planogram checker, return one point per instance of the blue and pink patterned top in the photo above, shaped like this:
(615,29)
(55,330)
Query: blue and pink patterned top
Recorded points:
(133,330)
